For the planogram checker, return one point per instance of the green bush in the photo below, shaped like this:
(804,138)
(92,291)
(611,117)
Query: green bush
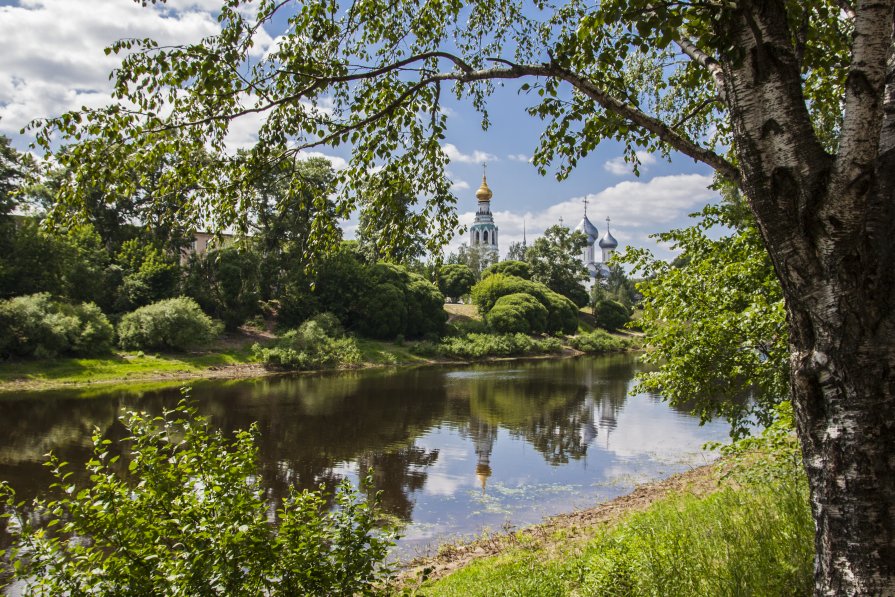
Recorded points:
(477,346)
(518,313)
(562,314)
(455,280)
(183,512)
(610,314)
(171,324)
(396,301)
(510,267)
(39,326)
(317,344)
(597,341)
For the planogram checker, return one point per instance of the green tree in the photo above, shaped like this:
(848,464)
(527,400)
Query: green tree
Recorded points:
(554,259)
(149,275)
(292,220)
(716,318)
(226,283)
(477,258)
(792,101)
(455,280)
(384,215)
(198,525)
(516,252)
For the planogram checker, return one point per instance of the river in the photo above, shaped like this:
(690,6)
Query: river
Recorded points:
(455,450)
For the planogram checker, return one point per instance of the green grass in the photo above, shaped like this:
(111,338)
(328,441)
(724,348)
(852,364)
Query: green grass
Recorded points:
(739,540)
(120,366)
(387,353)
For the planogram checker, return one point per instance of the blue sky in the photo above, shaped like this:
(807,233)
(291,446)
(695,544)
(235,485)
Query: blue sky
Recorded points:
(54,61)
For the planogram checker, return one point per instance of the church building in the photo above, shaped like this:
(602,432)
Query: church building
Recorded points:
(595,269)
(483,232)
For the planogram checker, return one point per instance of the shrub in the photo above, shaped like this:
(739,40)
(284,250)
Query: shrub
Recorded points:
(518,313)
(397,301)
(477,346)
(597,341)
(510,267)
(316,344)
(175,324)
(455,280)
(610,314)
(186,515)
(39,326)
(562,314)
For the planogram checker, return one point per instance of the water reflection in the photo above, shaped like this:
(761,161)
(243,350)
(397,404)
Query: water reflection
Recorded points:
(450,449)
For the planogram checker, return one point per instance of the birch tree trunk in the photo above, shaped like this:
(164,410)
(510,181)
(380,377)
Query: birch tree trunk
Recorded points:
(829,224)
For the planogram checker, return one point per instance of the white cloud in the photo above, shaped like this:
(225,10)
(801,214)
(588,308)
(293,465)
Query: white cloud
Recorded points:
(637,209)
(339,163)
(53,50)
(459,185)
(620,167)
(476,157)
(519,157)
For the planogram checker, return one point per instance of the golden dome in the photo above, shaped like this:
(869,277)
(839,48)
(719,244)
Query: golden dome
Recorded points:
(484,193)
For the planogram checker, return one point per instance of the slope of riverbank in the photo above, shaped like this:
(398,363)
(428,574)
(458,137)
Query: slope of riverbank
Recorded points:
(691,534)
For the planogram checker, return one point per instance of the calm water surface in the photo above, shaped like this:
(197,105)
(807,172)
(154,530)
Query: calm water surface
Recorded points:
(454,450)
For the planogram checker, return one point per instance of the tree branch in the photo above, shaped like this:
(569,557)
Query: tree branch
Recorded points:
(691,50)
(864,87)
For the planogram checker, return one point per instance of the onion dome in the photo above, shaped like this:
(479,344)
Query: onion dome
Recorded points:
(484,193)
(588,229)
(608,241)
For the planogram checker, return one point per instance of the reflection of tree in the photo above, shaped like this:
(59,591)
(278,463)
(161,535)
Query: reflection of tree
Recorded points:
(313,428)
(397,474)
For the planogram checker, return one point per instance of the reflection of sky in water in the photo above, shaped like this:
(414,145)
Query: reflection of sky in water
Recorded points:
(542,436)
(645,441)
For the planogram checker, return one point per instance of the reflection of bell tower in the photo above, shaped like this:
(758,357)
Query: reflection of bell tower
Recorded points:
(483,437)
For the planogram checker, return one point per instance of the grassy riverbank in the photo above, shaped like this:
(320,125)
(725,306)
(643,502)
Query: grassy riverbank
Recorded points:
(741,527)
(232,357)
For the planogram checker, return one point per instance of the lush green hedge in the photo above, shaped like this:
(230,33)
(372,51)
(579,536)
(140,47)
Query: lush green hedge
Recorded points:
(562,314)
(518,313)
(39,326)
(318,343)
(598,341)
(510,267)
(477,346)
(171,324)
(610,314)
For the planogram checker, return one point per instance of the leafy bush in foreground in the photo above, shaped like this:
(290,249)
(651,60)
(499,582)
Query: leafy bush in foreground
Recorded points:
(187,516)
(319,343)
(39,326)
(175,324)
(597,341)
(476,346)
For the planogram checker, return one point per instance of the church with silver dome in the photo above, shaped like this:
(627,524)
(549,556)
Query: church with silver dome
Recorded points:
(483,235)
(607,244)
